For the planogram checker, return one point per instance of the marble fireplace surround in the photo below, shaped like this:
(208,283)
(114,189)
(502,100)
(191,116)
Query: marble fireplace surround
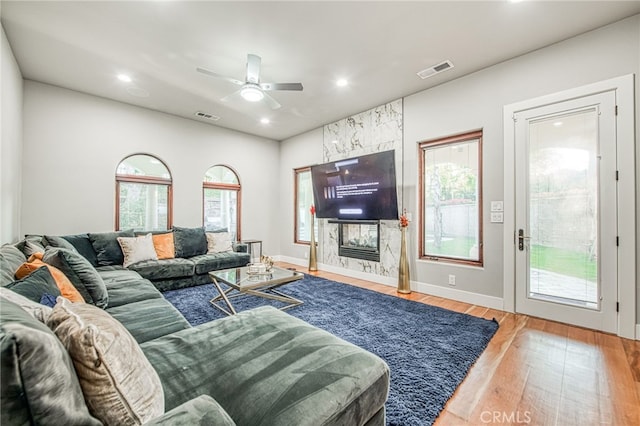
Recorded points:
(376,130)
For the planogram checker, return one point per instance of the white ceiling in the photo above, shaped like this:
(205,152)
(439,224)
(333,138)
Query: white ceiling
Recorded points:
(378,46)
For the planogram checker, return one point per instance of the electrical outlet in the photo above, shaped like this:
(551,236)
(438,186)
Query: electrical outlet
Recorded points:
(452,280)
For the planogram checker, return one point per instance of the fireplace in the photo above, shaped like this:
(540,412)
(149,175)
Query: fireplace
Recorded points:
(359,239)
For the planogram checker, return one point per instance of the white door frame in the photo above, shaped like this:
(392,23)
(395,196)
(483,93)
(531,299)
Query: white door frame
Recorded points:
(625,128)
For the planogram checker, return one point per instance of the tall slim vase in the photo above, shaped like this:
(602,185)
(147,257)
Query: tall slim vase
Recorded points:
(404,280)
(313,257)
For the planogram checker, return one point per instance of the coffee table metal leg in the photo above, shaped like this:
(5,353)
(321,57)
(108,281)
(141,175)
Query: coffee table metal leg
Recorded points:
(223,296)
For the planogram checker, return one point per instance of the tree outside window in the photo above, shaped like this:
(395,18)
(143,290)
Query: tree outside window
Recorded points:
(450,181)
(143,194)
(221,201)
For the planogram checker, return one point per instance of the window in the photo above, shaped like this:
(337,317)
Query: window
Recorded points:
(451,199)
(303,202)
(221,200)
(143,194)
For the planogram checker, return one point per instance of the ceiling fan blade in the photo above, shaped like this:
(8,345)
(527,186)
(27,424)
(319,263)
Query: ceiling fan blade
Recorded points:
(253,68)
(272,103)
(281,86)
(233,97)
(216,75)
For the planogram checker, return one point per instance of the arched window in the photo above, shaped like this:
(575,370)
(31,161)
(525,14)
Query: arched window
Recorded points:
(143,194)
(221,200)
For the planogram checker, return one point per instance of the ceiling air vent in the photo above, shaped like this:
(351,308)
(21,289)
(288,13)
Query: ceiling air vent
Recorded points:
(435,69)
(207,116)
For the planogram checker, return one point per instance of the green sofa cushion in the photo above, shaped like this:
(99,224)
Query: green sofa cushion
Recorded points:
(57,242)
(202,410)
(225,260)
(149,319)
(125,291)
(164,268)
(10,260)
(107,248)
(82,275)
(264,366)
(189,241)
(38,381)
(82,243)
(35,285)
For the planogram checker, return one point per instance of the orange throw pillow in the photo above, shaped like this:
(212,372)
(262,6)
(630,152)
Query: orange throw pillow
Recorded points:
(163,243)
(67,289)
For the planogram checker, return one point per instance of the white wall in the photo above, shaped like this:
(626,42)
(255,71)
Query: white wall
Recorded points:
(10,143)
(300,151)
(476,101)
(73,143)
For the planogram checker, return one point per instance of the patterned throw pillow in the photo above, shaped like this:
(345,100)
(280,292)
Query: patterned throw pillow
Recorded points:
(137,249)
(119,384)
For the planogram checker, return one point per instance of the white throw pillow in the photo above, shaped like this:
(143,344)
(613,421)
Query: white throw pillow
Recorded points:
(137,249)
(119,384)
(218,242)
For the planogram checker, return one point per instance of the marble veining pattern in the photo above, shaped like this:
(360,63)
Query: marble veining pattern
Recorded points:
(376,130)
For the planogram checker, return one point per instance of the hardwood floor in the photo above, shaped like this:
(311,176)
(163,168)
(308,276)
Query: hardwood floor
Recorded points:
(537,372)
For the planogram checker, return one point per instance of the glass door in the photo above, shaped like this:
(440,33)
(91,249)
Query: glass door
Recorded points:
(565,212)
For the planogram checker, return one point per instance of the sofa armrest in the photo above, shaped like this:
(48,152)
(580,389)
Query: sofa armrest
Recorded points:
(202,410)
(240,247)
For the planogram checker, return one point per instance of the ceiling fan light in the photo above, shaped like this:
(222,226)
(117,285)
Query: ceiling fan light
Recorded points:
(251,94)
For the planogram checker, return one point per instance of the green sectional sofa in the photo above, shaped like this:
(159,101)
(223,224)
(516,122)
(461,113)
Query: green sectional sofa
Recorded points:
(260,367)
(190,266)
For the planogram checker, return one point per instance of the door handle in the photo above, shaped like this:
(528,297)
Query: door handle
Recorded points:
(521,238)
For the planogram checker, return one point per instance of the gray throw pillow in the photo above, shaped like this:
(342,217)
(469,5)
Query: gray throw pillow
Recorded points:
(81,273)
(106,246)
(10,260)
(29,247)
(35,285)
(189,242)
(38,380)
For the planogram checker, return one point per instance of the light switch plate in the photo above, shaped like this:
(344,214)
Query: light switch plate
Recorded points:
(497,217)
(497,206)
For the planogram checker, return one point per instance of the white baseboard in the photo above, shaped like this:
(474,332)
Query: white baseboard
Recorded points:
(637,331)
(430,289)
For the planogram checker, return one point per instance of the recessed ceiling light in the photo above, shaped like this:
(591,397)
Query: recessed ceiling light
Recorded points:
(341,82)
(335,141)
(265,121)
(558,123)
(125,78)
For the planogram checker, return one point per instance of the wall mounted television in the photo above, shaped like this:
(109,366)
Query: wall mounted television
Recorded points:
(359,188)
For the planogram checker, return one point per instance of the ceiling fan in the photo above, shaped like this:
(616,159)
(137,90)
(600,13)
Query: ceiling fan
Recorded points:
(251,89)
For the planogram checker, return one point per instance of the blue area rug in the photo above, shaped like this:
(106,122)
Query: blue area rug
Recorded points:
(428,349)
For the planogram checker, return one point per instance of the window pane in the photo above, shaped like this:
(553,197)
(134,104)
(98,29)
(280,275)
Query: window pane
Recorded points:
(143,165)
(220,210)
(220,174)
(304,199)
(451,222)
(143,206)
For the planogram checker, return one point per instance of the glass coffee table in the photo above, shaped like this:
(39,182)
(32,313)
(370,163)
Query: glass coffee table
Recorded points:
(241,282)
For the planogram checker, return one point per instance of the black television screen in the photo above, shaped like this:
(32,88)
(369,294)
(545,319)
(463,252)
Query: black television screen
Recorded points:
(360,188)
